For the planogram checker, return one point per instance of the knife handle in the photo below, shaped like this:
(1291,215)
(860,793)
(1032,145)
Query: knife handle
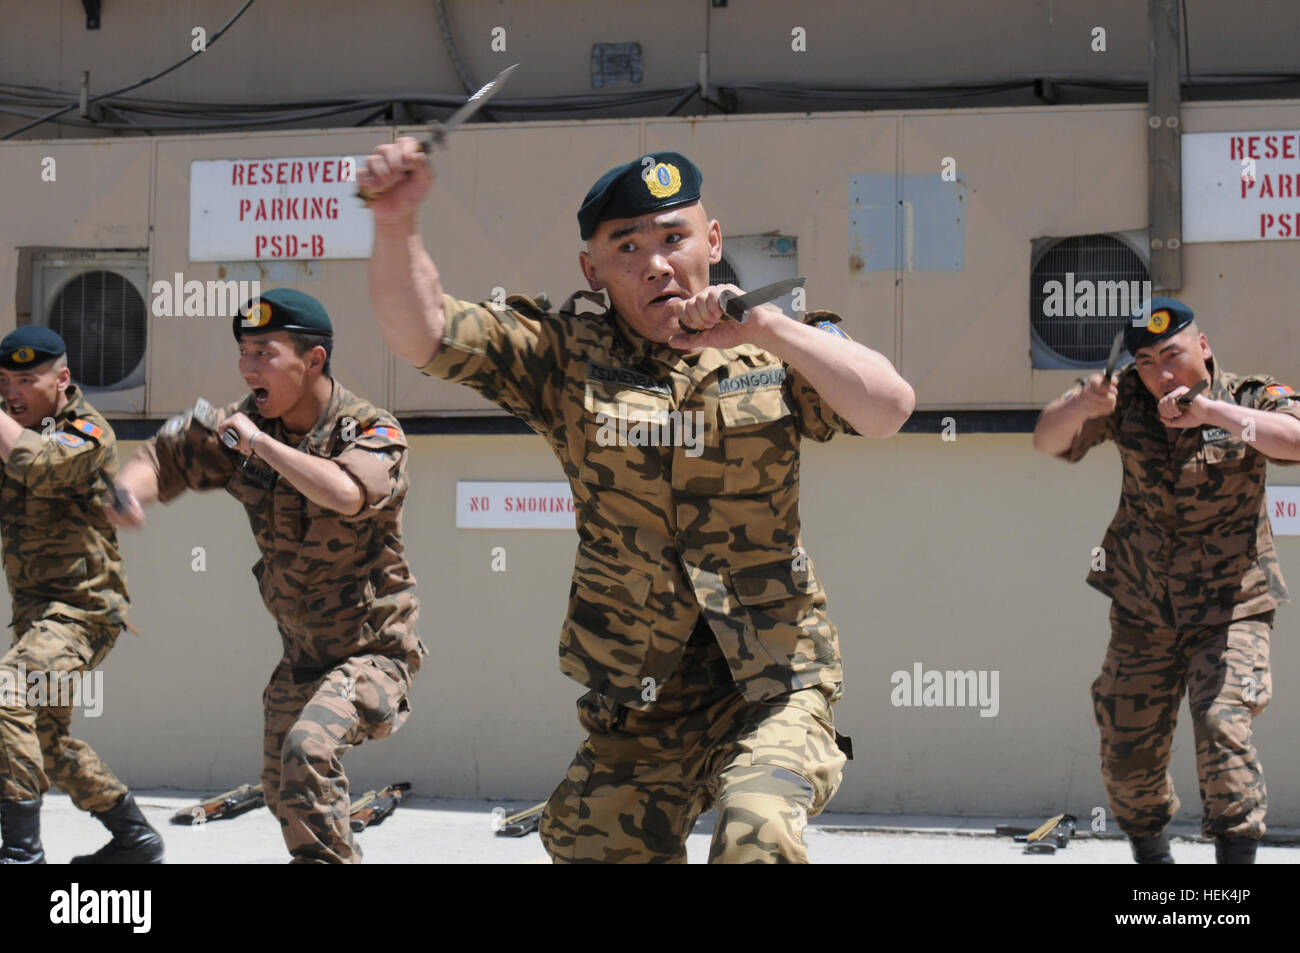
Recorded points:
(1186,399)
(117,498)
(726,297)
(367,196)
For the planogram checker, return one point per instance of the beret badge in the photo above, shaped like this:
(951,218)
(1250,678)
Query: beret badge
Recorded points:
(663,180)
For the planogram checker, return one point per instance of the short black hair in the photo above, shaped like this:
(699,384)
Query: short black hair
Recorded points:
(303,342)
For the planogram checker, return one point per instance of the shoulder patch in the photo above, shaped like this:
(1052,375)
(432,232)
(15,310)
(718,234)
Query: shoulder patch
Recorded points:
(1280,392)
(829,326)
(89,429)
(69,439)
(381,431)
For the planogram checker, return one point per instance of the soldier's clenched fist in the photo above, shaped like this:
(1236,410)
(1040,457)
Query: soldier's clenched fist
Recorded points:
(1098,396)
(395,179)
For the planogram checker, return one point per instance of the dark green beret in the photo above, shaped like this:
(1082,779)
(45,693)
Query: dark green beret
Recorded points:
(28,346)
(1168,317)
(655,181)
(282,309)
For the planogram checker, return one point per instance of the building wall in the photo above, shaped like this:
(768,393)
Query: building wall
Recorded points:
(502,214)
(967,554)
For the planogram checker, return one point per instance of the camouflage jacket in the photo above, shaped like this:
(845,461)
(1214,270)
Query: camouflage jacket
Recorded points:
(337,585)
(1191,543)
(60,550)
(665,531)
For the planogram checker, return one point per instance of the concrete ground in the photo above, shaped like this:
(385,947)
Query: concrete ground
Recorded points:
(434,831)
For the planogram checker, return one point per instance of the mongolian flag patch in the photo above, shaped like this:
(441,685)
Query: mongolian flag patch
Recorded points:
(89,429)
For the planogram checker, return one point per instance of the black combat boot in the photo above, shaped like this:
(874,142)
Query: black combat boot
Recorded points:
(134,840)
(1234,850)
(1151,850)
(20,824)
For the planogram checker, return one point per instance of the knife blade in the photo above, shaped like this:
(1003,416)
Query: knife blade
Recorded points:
(116,495)
(1115,348)
(472,105)
(736,305)
(443,129)
(1186,399)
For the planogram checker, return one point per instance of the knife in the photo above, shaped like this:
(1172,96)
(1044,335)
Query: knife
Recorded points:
(1116,348)
(116,495)
(736,305)
(442,130)
(1186,399)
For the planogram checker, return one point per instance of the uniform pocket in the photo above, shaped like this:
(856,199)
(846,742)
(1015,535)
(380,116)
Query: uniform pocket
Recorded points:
(379,690)
(1227,456)
(785,608)
(759,440)
(625,431)
(621,585)
(609,622)
(796,733)
(790,578)
(1229,559)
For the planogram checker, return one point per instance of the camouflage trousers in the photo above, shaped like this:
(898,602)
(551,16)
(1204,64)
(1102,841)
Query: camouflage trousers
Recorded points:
(1225,672)
(309,726)
(35,747)
(641,778)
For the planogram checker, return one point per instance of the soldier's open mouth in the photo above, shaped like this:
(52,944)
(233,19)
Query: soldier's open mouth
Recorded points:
(260,395)
(665,297)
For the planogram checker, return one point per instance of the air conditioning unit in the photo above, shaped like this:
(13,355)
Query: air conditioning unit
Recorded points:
(98,303)
(751,261)
(1082,290)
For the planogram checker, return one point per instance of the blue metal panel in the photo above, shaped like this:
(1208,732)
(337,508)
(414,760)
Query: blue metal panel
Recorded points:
(934,223)
(923,229)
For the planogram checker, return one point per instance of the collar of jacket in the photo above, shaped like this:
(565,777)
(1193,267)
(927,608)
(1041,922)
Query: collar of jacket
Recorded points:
(75,405)
(1218,389)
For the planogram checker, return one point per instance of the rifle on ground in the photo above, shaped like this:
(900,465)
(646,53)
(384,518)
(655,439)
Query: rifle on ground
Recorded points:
(522,823)
(374,807)
(1051,836)
(231,804)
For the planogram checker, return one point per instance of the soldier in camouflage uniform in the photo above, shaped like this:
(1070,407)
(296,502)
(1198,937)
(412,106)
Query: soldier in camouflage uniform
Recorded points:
(1189,564)
(695,617)
(68,588)
(322,476)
